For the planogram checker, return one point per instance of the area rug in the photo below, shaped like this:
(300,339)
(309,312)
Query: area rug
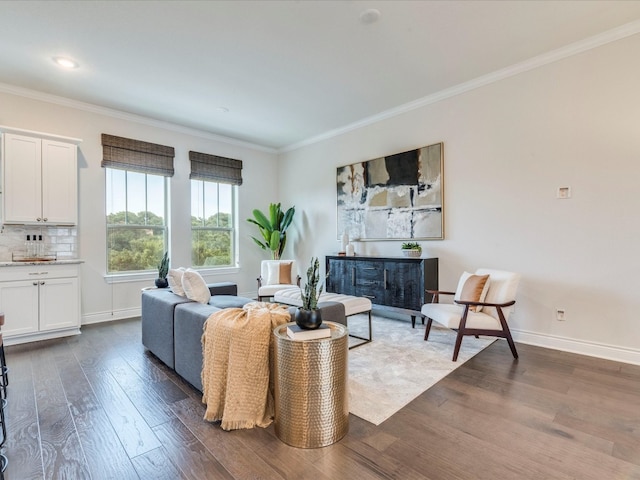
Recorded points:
(386,374)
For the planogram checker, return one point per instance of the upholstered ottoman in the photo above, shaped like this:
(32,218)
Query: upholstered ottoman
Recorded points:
(352,305)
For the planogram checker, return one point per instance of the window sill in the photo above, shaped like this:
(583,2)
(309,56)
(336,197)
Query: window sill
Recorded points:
(152,275)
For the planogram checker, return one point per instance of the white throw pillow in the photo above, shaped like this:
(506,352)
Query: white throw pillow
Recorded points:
(175,280)
(472,288)
(279,273)
(195,287)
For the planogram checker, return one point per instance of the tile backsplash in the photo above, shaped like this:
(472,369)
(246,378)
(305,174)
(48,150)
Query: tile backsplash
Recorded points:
(58,240)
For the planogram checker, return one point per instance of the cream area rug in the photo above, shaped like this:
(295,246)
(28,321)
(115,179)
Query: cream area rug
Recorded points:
(398,365)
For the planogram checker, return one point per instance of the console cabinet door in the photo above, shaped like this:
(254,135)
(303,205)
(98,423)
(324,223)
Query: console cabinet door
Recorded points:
(19,303)
(341,278)
(404,285)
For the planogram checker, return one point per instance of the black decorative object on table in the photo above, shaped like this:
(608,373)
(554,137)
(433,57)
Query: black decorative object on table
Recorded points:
(308,316)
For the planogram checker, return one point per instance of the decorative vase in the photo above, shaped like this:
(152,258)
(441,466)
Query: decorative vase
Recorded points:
(162,282)
(308,319)
(412,253)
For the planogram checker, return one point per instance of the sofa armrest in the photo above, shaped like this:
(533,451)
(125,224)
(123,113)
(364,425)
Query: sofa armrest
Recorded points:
(223,288)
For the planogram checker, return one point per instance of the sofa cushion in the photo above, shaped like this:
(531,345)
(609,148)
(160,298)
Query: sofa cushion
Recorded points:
(229,301)
(195,287)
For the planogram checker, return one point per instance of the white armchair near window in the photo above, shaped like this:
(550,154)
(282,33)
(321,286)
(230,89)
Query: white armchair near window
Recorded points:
(276,275)
(482,304)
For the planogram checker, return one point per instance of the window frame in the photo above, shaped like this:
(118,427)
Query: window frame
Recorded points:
(232,228)
(127,275)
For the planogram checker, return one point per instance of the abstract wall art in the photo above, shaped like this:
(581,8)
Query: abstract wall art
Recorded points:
(397,197)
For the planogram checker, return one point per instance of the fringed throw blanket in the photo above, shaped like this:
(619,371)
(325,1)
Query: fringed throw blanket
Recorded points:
(236,366)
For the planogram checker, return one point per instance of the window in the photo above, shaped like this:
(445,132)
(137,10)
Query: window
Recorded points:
(136,197)
(136,220)
(213,223)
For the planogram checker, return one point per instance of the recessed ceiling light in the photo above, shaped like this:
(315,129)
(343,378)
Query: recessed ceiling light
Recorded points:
(65,62)
(370,16)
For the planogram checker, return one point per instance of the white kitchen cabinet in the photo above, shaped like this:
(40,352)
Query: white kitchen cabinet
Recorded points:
(39,301)
(39,178)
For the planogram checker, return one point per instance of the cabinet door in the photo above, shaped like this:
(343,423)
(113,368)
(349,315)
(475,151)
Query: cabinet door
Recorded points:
(339,275)
(59,183)
(59,303)
(404,285)
(22,195)
(19,302)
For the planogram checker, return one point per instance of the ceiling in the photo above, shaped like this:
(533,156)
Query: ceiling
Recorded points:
(288,72)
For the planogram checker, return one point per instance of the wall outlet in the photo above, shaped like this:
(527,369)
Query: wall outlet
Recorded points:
(561,314)
(563,192)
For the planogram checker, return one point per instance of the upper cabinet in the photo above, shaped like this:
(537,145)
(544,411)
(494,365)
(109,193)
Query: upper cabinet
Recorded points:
(39,178)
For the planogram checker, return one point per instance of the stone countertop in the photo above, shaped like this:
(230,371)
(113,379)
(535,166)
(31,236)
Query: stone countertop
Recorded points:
(70,261)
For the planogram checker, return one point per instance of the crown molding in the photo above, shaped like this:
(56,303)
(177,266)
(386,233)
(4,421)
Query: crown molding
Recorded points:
(575,48)
(111,112)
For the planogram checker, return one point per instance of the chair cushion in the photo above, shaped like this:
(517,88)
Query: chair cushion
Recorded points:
(175,280)
(271,290)
(195,287)
(472,288)
(450,315)
(279,273)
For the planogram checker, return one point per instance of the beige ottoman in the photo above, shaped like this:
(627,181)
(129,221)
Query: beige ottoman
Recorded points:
(352,305)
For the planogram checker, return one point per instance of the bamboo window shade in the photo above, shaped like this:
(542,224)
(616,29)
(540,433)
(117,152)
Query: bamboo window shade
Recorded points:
(214,168)
(136,155)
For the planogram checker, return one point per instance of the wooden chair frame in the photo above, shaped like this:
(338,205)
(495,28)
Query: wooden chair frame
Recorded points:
(463,330)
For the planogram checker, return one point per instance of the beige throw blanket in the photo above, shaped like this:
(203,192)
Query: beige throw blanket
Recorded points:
(237,384)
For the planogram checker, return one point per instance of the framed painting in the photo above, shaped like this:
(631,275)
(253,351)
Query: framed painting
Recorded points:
(397,197)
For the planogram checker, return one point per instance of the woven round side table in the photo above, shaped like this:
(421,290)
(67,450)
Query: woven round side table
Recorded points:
(311,396)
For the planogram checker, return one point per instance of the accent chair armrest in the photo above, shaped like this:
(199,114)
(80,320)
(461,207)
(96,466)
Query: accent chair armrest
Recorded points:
(436,294)
(485,304)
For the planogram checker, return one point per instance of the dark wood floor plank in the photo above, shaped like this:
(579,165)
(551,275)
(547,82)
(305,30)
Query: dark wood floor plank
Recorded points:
(106,457)
(224,446)
(106,408)
(62,452)
(188,454)
(134,433)
(157,466)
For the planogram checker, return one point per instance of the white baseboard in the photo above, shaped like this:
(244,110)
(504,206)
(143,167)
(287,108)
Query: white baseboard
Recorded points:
(592,349)
(110,316)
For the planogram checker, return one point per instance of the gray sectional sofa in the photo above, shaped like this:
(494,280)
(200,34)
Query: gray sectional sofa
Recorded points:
(172,325)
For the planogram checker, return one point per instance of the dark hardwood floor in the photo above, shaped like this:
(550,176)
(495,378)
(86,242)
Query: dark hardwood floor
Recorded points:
(98,406)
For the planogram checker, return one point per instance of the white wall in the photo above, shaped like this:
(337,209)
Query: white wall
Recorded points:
(508,146)
(103,301)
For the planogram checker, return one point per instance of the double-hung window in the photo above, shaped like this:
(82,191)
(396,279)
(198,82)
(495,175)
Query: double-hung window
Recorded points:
(214,186)
(136,203)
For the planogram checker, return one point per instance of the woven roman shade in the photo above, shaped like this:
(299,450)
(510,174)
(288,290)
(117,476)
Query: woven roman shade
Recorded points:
(137,156)
(215,168)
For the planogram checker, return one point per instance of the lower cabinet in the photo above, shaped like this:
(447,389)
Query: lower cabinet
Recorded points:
(395,283)
(39,302)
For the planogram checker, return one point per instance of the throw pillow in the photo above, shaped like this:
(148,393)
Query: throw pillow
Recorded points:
(195,287)
(175,280)
(472,288)
(279,273)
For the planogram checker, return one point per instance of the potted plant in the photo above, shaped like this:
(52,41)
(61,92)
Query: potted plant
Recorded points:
(163,269)
(308,316)
(411,249)
(273,229)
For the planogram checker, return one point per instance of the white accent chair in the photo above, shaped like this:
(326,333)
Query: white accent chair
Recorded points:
(269,283)
(491,317)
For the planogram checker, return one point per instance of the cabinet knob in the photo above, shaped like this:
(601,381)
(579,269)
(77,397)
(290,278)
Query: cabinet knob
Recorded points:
(38,219)
(35,283)
(41,283)
(45,219)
